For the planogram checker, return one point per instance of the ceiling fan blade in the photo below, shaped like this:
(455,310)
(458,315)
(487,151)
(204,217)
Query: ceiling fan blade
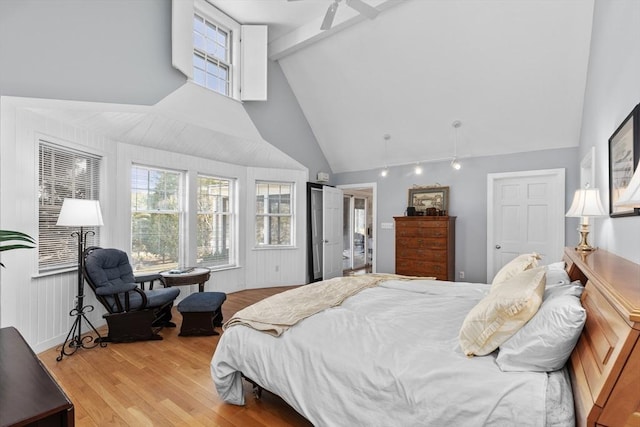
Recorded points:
(328,18)
(365,9)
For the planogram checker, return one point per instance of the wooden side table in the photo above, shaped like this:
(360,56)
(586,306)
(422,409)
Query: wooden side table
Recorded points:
(196,275)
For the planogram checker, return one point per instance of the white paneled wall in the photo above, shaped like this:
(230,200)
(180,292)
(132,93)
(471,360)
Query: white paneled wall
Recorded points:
(38,306)
(277,267)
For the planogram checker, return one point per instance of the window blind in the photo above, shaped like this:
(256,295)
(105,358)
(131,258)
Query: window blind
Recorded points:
(63,173)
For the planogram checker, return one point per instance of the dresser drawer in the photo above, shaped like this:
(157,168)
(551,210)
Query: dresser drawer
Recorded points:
(430,232)
(427,229)
(420,253)
(411,267)
(415,243)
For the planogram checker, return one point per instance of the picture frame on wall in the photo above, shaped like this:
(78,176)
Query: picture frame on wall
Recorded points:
(624,156)
(429,200)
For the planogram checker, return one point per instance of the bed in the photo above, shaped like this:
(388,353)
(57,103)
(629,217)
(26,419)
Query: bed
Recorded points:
(390,354)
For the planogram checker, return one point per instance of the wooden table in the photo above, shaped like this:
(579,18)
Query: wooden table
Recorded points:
(28,393)
(197,275)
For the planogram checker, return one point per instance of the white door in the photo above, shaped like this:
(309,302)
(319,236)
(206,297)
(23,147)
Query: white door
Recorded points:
(331,232)
(525,213)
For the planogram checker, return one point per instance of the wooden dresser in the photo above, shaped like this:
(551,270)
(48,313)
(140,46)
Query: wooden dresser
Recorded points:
(425,246)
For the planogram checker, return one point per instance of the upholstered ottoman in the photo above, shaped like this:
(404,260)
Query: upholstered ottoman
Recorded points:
(201,313)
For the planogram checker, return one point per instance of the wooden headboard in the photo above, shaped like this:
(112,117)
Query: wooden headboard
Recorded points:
(605,364)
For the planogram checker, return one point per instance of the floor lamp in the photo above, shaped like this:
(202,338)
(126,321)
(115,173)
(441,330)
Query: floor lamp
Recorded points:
(80,213)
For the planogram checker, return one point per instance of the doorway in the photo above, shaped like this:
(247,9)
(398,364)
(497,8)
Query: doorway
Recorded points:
(324,232)
(355,235)
(358,234)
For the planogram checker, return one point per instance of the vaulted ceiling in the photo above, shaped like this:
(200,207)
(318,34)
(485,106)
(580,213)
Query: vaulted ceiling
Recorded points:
(513,72)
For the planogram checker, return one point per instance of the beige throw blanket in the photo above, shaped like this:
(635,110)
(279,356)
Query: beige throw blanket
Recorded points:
(279,312)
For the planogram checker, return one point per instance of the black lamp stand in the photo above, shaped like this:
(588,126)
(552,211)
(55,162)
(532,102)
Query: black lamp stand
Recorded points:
(74,339)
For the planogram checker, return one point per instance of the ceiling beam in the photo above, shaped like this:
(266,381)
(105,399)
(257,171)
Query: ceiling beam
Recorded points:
(310,32)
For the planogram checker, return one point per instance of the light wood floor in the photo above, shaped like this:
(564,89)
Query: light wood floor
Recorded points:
(162,383)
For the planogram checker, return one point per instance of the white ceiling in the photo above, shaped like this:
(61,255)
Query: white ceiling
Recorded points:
(181,123)
(512,71)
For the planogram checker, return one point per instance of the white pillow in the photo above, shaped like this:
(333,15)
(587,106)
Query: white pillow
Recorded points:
(557,276)
(545,343)
(560,265)
(553,290)
(517,265)
(502,313)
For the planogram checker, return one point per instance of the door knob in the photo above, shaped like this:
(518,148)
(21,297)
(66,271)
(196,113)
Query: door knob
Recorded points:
(498,246)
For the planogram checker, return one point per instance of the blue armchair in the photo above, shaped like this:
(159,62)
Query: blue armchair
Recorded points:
(133,314)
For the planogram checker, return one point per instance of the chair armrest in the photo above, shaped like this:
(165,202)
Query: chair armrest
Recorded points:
(104,291)
(126,289)
(151,278)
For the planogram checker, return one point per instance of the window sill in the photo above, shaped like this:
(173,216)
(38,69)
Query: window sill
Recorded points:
(209,91)
(272,247)
(54,272)
(225,268)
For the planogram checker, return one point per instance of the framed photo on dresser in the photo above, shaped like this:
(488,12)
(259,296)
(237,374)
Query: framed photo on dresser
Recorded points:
(427,200)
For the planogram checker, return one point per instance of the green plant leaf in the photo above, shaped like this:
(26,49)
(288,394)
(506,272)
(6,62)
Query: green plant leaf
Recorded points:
(15,236)
(6,235)
(16,246)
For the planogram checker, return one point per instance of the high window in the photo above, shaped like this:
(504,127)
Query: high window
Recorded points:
(156,218)
(216,234)
(211,55)
(274,213)
(63,173)
(210,48)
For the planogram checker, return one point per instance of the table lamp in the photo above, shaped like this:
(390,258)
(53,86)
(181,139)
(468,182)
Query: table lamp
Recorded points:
(586,204)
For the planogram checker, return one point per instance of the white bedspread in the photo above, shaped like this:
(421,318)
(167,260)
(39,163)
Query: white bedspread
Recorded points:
(388,356)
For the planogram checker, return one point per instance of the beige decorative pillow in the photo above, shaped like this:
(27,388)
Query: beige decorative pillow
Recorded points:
(502,313)
(517,265)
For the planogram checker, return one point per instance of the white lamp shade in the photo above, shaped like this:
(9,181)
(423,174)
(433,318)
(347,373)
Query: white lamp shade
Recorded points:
(80,213)
(586,203)
(631,195)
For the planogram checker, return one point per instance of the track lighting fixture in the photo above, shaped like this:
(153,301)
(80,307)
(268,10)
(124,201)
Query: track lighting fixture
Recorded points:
(455,164)
(418,169)
(385,171)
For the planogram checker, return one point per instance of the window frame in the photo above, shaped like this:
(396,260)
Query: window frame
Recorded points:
(209,12)
(232,215)
(181,212)
(211,59)
(291,215)
(62,235)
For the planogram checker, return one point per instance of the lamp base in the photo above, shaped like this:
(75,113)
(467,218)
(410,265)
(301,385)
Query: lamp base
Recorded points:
(583,245)
(75,340)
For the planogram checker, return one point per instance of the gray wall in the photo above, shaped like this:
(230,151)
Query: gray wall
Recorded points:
(613,89)
(281,122)
(468,200)
(108,51)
